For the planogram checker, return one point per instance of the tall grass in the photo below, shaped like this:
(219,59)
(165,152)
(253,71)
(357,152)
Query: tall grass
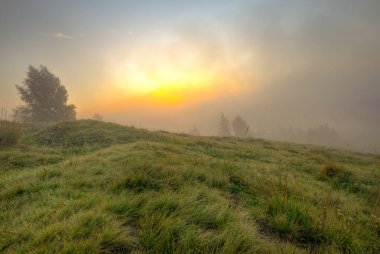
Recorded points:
(9,130)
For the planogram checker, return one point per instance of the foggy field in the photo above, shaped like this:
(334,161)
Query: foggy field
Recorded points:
(93,187)
(190,127)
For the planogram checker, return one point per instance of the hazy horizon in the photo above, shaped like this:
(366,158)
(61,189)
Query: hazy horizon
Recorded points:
(173,65)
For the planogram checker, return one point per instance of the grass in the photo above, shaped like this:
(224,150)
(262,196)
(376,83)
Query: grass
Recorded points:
(9,133)
(9,130)
(93,187)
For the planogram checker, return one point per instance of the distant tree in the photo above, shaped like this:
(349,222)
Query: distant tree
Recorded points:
(224,129)
(45,98)
(195,132)
(240,127)
(98,117)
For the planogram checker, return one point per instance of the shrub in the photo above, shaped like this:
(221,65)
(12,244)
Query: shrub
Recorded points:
(9,133)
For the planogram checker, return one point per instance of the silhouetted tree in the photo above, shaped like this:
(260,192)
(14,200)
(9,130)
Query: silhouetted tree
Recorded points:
(240,127)
(195,132)
(97,117)
(224,129)
(45,98)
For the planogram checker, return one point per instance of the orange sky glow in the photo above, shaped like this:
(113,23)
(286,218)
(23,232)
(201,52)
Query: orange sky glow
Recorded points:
(164,75)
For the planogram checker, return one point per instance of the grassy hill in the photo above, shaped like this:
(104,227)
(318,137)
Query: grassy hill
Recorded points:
(93,187)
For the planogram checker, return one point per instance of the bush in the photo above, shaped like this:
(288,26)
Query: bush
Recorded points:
(9,133)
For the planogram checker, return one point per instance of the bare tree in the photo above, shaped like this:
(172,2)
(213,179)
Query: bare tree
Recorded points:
(224,129)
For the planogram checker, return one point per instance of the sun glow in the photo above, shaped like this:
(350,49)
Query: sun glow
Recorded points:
(169,76)
(172,76)
(167,83)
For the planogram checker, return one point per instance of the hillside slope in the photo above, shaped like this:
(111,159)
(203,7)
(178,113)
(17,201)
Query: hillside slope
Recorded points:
(92,187)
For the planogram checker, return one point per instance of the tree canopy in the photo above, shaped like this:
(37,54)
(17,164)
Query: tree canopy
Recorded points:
(45,98)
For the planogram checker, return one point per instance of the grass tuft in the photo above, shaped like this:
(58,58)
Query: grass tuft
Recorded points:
(331,170)
(292,222)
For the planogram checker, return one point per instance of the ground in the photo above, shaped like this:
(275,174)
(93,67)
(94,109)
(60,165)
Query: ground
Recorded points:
(94,187)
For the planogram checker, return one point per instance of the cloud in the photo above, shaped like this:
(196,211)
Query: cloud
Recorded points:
(61,35)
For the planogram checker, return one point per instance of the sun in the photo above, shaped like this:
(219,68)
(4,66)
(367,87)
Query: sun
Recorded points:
(166,83)
(174,73)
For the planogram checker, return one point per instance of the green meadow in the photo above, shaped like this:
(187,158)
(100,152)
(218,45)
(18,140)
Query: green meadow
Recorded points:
(94,187)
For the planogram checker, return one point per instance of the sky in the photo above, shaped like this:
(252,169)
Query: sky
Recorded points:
(173,65)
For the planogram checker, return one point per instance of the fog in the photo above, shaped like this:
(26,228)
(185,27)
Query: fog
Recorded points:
(279,65)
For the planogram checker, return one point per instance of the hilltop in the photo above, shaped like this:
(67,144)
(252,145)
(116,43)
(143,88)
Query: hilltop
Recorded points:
(94,187)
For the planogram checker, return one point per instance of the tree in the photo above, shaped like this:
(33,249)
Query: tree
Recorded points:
(240,127)
(194,132)
(224,129)
(97,117)
(45,98)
